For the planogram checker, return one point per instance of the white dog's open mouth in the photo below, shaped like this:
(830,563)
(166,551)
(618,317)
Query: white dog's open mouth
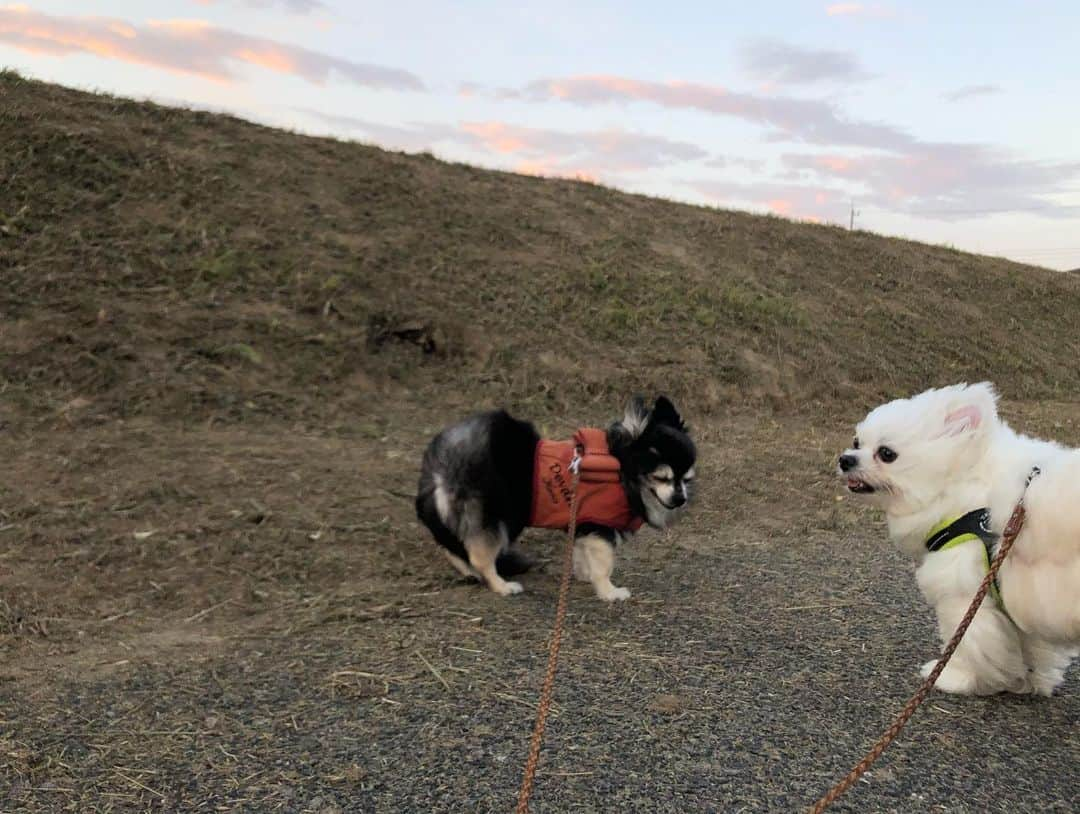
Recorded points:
(859,486)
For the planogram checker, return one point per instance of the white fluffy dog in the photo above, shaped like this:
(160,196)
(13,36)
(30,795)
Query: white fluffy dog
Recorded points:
(948,473)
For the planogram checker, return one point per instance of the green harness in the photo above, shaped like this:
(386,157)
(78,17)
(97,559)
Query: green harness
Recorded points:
(975,525)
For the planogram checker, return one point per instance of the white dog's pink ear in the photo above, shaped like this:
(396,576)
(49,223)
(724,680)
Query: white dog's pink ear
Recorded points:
(964,419)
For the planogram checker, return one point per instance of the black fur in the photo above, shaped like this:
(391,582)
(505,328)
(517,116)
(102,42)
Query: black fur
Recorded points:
(487,461)
(604,532)
(485,466)
(663,440)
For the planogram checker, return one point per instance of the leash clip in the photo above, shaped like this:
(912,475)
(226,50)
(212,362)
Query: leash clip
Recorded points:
(1016,521)
(575,462)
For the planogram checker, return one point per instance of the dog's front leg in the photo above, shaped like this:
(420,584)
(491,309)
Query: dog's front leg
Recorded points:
(989,658)
(594,560)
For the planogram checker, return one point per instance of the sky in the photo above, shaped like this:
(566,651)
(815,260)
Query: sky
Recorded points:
(952,123)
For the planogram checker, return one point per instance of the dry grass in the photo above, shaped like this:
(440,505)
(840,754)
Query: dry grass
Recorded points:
(224,346)
(188,266)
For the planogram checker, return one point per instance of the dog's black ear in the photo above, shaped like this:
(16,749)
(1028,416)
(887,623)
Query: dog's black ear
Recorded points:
(623,433)
(664,412)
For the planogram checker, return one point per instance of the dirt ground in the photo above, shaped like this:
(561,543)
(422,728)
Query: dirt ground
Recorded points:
(248,618)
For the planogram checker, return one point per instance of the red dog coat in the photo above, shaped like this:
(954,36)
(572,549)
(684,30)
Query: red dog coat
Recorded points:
(601,497)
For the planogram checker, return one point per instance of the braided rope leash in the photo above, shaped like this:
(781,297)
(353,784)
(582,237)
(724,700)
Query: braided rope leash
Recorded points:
(544,705)
(1012,530)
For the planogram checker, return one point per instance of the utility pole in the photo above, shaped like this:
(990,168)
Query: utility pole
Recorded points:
(851,226)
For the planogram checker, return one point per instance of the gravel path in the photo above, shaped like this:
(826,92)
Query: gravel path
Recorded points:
(763,650)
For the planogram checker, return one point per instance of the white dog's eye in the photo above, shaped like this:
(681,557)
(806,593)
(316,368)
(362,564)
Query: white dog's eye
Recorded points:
(855,443)
(886,454)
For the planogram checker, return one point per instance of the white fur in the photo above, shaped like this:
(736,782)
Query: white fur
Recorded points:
(635,418)
(664,498)
(656,512)
(594,560)
(483,549)
(442,500)
(954,454)
(460,565)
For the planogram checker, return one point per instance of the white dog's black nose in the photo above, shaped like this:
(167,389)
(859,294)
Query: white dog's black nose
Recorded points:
(848,462)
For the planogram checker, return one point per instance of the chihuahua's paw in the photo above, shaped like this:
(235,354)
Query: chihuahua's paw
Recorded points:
(613,594)
(508,589)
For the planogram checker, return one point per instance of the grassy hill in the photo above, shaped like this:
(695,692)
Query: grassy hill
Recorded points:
(159,261)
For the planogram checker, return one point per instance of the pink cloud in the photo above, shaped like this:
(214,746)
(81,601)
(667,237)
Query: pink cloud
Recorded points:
(810,203)
(541,170)
(894,169)
(835,164)
(536,168)
(498,137)
(588,154)
(790,119)
(858,10)
(590,151)
(294,6)
(944,179)
(186,46)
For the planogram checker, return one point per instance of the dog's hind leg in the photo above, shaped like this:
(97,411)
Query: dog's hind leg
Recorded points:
(483,548)
(1046,662)
(594,560)
(433,508)
(460,565)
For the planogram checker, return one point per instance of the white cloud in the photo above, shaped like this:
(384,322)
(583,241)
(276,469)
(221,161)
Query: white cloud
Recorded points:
(783,64)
